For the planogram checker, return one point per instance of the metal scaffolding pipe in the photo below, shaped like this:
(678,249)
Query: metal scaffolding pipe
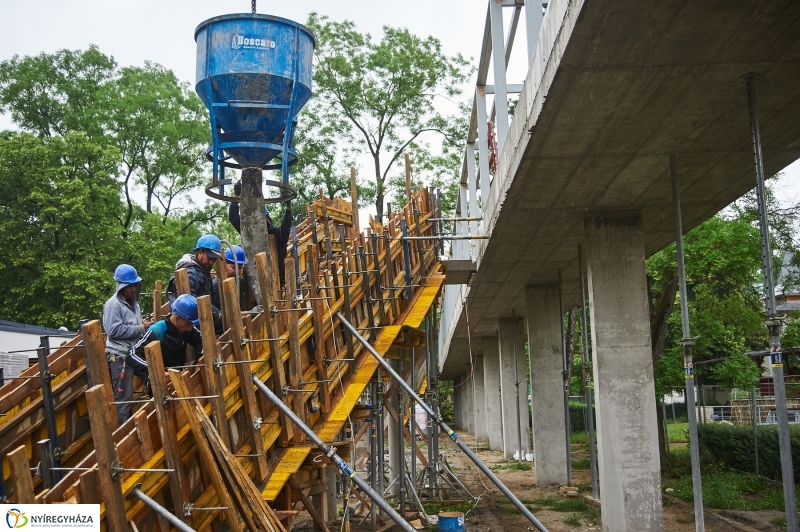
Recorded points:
(330,452)
(461,445)
(160,510)
(587,378)
(773,322)
(688,366)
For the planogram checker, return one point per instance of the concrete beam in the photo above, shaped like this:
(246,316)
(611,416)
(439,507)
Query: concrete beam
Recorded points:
(479,401)
(515,400)
(547,393)
(491,387)
(629,469)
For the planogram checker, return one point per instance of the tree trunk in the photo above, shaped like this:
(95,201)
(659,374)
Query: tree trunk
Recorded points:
(378,189)
(255,237)
(661,304)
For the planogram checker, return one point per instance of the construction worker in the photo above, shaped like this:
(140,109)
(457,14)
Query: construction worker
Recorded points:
(175,332)
(281,232)
(122,321)
(198,268)
(237,253)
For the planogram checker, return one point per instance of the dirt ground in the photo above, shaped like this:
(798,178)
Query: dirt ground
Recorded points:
(492,512)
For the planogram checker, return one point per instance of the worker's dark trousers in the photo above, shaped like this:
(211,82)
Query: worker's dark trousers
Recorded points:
(123,391)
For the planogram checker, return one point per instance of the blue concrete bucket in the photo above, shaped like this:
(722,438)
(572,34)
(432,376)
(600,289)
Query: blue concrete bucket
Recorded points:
(451,522)
(254,75)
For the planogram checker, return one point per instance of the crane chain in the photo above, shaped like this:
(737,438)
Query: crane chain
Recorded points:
(253,5)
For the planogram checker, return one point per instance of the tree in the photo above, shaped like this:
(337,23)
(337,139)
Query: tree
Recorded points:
(385,90)
(59,218)
(156,122)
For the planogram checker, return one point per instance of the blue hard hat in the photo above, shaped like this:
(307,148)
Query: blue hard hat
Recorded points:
(241,258)
(125,273)
(185,306)
(210,244)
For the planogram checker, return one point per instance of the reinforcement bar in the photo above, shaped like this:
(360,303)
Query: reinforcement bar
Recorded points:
(461,445)
(330,452)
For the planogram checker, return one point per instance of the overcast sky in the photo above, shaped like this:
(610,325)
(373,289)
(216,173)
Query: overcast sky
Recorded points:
(162,31)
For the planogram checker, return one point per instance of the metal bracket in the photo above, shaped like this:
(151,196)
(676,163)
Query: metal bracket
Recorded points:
(48,375)
(116,469)
(273,311)
(165,398)
(257,422)
(58,454)
(187,509)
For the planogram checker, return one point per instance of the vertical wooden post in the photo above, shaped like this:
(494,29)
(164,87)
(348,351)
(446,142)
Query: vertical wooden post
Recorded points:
(408,177)
(317,316)
(295,362)
(178,481)
(222,274)
(213,379)
(275,279)
(98,366)
(241,353)
(157,301)
(354,200)
(204,450)
(182,281)
(376,266)
(106,456)
(348,338)
(20,475)
(265,278)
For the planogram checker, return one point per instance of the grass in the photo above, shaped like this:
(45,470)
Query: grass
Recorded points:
(513,466)
(574,506)
(579,438)
(678,432)
(581,464)
(728,490)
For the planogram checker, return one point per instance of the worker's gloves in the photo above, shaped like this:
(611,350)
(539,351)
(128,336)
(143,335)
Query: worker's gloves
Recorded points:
(237,188)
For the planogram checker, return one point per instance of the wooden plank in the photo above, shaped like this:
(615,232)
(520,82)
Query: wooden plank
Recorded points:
(106,455)
(319,521)
(266,280)
(212,374)
(182,282)
(143,435)
(203,449)
(98,366)
(290,462)
(295,362)
(157,301)
(318,312)
(178,481)
(20,475)
(241,353)
(354,200)
(86,491)
(408,177)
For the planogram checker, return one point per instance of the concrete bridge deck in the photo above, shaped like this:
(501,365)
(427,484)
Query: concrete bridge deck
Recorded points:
(614,88)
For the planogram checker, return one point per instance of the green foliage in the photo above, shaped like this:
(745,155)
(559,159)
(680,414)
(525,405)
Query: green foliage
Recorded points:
(729,490)
(577,417)
(732,446)
(737,371)
(92,138)
(446,404)
(59,216)
(386,91)
(678,432)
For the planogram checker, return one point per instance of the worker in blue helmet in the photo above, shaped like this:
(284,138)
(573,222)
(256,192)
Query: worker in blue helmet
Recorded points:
(177,330)
(123,323)
(198,267)
(234,257)
(281,232)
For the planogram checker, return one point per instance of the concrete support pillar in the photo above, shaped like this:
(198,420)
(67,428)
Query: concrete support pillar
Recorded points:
(469,403)
(630,478)
(516,423)
(393,435)
(547,393)
(479,401)
(491,387)
(458,411)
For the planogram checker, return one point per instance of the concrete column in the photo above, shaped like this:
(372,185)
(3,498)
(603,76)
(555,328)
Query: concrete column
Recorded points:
(469,403)
(458,411)
(630,478)
(547,392)
(508,330)
(479,401)
(491,387)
